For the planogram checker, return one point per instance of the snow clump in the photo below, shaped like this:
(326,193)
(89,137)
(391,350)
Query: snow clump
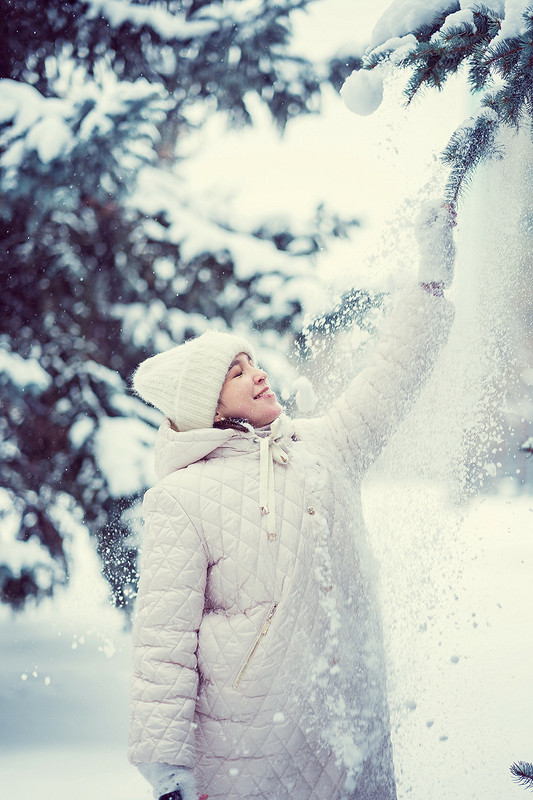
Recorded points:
(402,17)
(26,373)
(397,48)
(362,92)
(405,16)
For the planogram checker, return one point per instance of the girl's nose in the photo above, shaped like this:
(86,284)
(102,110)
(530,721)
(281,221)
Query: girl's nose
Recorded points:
(260,375)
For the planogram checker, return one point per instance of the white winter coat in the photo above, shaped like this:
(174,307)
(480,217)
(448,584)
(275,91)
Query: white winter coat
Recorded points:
(257,656)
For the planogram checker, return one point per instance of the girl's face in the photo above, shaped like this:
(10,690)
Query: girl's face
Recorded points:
(246,394)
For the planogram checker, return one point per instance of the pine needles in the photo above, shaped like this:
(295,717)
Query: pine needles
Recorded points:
(500,66)
(522,772)
(468,147)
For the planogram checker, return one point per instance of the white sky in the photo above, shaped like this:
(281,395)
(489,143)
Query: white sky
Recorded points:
(331,25)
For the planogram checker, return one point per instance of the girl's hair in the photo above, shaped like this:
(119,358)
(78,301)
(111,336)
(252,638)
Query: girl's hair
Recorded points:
(235,423)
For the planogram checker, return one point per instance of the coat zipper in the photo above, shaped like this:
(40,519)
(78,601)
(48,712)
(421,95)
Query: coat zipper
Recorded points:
(253,648)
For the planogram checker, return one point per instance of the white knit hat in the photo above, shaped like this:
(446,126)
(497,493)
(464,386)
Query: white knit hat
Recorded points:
(185,382)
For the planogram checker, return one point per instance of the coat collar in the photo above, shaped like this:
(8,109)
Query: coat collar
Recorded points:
(178,449)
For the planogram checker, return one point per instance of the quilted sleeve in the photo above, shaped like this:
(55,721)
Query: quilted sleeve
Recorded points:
(169,609)
(365,416)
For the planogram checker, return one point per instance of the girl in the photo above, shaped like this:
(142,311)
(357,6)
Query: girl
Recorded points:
(258,666)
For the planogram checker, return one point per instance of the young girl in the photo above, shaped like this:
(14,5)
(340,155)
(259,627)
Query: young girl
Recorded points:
(258,666)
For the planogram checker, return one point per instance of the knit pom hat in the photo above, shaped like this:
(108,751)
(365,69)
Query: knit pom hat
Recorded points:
(185,382)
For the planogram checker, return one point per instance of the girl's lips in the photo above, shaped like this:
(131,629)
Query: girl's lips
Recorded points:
(264,393)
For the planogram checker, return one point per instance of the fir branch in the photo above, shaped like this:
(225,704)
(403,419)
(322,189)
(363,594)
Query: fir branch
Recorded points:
(423,35)
(479,71)
(435,61)
(421,77)
(511,102)
(482,11)
(522,772)
(441,52)
(468,146)
(425,32)
(438,54)
(487,24)
(504,56)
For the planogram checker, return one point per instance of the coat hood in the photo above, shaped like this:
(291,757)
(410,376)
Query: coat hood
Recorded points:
(178,449)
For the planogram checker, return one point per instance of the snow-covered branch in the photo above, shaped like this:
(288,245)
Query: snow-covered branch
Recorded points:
(434,40)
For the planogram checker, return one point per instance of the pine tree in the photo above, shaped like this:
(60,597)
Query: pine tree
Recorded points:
(497,52)
(107,256)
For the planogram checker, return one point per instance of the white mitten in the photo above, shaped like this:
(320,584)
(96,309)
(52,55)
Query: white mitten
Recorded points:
(434,232)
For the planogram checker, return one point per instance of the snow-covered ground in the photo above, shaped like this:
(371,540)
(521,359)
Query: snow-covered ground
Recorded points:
(64,676)
(458,594)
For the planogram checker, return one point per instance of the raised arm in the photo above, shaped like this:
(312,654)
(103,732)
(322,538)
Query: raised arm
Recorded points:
(378,398)
(165,637)
(365,416)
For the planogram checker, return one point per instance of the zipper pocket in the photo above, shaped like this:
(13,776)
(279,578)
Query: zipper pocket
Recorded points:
(255,645)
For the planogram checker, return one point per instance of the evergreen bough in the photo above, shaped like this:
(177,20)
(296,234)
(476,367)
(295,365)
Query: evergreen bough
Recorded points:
(499,67)
(522,772)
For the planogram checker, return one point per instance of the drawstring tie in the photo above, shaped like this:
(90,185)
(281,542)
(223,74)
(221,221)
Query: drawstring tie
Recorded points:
(269,451)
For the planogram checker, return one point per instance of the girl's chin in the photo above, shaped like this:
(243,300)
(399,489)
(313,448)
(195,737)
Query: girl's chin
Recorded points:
(266,417)
(275,414)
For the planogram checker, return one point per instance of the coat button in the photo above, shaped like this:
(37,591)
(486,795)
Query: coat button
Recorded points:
(311,510)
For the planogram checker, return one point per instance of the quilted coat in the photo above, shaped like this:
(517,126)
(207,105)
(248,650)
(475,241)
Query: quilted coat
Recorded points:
(257,649)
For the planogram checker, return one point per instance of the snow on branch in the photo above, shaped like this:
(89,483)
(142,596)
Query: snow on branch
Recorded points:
(434,39)
(403,17)
(22,555)
(166,24)
(25,373)
(182,26)
(192,228)
(37,132)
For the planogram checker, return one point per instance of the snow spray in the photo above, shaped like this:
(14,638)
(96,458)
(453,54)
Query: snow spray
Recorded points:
(455,444)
